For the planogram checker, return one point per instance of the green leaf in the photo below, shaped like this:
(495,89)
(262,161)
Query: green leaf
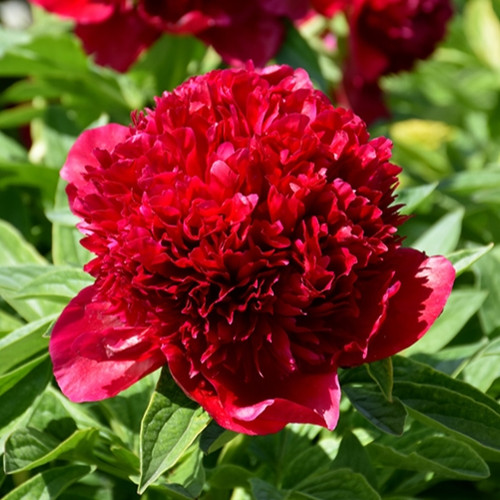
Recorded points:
(16,403)
(463,260)
(448,405)
(353,455)
(23,343)
(488,272)
(229,476)
(412,197)
(310,462)
(28,448)
(48,484)
(484,368)
(189,472)
(66,247)
(14,249)
(482,28)
(439,454)
(13,278)
(443,236)
(170,425)
(341,484)
(387,416)
(461,306)
(382,373)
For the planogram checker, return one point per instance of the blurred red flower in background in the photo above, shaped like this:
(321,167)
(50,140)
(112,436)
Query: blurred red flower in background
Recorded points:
(387,36)
(245,236)
(117,31)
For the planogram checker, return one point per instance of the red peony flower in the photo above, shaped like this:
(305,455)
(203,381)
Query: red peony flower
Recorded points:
(245,236)
(387,36)
(117,31)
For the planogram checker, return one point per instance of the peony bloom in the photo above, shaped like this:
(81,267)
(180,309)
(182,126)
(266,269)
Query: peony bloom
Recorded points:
(117,31)
(386,36)
(245,235)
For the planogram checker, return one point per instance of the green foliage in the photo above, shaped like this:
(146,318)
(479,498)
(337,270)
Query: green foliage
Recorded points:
(422,425)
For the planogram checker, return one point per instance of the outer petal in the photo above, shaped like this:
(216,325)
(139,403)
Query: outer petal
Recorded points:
(302,398)
(118,41)
(83,11)
(82,155)
(424,287)
(95,355)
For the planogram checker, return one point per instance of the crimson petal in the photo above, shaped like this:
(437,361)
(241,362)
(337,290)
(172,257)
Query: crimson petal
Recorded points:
(95,355)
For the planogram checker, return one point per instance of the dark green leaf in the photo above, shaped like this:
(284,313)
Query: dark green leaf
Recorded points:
(341,484)
(229,476)
(388,416)
(15,404)
(261,490)
(215,437)
(352,455)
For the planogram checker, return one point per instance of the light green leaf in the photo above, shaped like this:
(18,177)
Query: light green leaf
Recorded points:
(487,270)
(412,197)
(482,27)
(461,306)
(13,278)
(48,485)
(443,236)
(469,183)
(484,368)
(170,425)
(58,284)
(23,343)
(462,260)
(14,249)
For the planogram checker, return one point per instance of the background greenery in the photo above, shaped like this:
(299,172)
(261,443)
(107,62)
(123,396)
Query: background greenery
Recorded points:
(424,425)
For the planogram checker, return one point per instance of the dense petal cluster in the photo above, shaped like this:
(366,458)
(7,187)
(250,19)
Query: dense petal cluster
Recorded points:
(245,235)
(117,31)
(386,36)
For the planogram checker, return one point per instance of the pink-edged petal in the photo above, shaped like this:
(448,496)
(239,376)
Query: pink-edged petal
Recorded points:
(119,40)
(83,11)
(301,398)
(423,287)
(82,155)
(94,354)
